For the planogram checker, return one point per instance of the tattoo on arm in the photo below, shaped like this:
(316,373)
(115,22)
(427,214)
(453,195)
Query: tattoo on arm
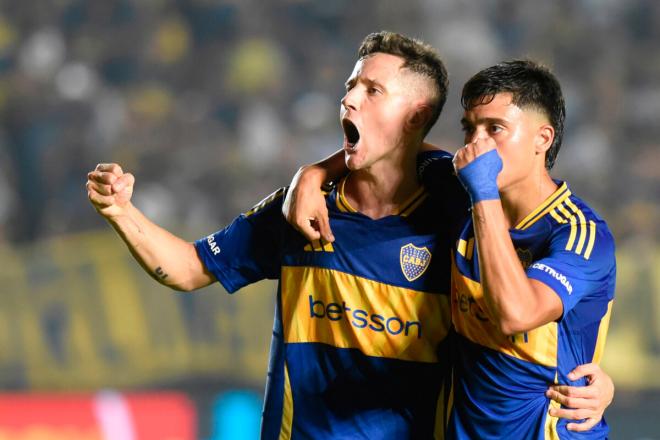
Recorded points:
(160,273)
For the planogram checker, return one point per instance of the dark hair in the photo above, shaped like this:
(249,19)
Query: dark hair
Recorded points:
(418,57)
(532,86)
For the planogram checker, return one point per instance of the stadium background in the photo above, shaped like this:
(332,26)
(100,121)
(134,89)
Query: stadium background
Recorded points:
(212,105)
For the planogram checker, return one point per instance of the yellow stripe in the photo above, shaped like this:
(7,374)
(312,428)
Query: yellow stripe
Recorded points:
(556,216)
(339,205)
(445,400)
(592,239)
(412,203)
(573,221)
(550,430)
(265,202)
(557,197)
(602,333)
(346,311)
(342,198)
(583,226)
(470,249)
(287,408)
(414,206)
(461,247)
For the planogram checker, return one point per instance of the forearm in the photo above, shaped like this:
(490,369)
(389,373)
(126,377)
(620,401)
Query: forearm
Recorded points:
(167,258)
(509,294)
(329,169)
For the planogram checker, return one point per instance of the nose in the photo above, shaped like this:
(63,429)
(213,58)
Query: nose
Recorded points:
(349,101)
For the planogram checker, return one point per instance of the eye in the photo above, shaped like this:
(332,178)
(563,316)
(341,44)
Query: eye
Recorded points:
(494,129)
(373,91)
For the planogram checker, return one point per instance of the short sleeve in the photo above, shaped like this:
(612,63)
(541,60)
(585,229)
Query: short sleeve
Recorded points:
(577,274)
(248,250)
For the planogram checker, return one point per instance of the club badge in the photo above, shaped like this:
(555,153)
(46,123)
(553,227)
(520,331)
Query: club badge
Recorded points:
(414,261)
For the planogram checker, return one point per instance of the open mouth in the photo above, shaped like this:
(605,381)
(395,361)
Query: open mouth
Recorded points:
(351,134)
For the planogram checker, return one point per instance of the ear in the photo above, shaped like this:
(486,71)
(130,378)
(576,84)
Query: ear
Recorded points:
(544,138)
(418,117)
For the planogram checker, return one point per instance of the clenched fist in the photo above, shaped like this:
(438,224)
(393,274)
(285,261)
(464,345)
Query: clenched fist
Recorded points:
(109,189)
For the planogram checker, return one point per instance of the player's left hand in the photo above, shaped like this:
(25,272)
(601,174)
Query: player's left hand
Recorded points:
(586,403)
(477,165)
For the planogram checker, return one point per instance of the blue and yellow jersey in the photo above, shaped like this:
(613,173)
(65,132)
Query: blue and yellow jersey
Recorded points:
(360,338)
(500,381)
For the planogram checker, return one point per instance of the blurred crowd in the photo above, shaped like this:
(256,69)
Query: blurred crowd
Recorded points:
(214,104)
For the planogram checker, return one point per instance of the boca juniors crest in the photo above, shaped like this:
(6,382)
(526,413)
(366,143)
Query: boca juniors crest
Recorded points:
(414,261)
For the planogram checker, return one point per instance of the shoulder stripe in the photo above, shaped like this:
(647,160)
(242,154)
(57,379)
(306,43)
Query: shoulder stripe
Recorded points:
(551,202)
(592,239)
(582,231)
(582,224)
(573,222)
(267,201)
(556,216)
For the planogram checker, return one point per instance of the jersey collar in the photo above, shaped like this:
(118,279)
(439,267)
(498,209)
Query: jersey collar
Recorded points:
(556,198)
(403,210)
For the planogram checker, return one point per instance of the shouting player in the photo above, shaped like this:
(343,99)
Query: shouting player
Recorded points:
(359,344)
(533,269)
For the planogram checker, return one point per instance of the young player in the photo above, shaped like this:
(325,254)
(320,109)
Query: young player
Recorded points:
(533,275)
(359,344)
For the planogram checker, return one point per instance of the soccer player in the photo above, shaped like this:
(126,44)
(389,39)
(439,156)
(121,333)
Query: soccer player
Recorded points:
(532,304)
(533,275)
(360,341)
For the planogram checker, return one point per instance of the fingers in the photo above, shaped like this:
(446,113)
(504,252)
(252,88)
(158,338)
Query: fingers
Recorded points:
(323,224)
(308,229)
(574,403)
(584,426)
(571,414)
(472,150)
(567,391)
(125,181)
(99,200)
(102,177)
(105,190)
(584,370)
(110,168)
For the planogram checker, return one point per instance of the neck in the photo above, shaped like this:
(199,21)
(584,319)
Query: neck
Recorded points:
(380,189)
(521,198)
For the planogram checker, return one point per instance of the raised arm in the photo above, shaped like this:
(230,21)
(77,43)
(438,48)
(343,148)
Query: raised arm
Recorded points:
(167,258)
(515,302)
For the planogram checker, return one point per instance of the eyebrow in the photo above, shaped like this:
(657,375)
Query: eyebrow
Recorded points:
(501,121)
(370,81)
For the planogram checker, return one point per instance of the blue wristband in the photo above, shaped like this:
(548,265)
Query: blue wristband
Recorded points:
(480,177)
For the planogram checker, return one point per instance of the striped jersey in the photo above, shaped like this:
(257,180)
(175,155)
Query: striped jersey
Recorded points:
(500,381)
(360,338)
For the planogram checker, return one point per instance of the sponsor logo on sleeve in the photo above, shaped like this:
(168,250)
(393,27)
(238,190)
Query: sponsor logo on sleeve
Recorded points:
(213,245)
(556,275)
